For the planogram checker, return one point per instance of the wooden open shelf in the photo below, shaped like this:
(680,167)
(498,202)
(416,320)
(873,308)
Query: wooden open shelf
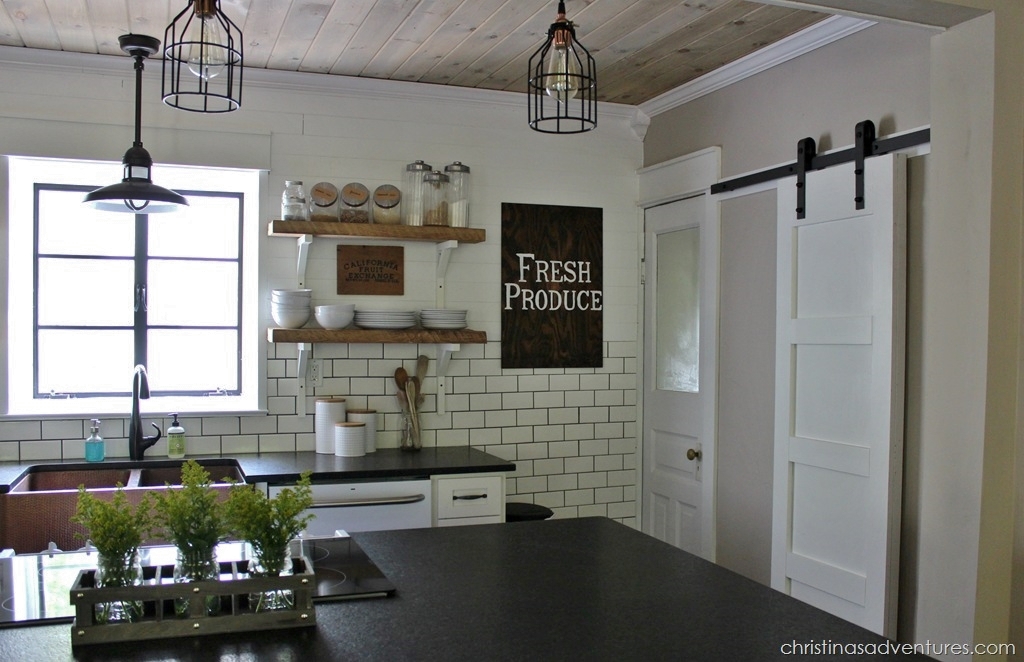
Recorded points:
(353,335)
(429,233)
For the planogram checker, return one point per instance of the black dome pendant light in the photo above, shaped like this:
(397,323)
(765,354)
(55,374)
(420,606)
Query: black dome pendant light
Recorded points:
(137,193)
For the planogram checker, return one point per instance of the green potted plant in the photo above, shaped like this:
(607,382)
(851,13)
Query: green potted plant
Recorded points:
(268,525)
(192,519)
(116,529)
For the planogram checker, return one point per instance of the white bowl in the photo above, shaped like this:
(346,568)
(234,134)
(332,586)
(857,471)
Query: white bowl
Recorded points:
(305,293)
(335,316)
(290,318)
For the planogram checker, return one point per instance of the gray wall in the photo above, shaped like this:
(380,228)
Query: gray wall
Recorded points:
(746,385)
(880,74)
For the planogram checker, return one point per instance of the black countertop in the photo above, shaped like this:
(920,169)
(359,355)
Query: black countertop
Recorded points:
(583,589)
(385,463)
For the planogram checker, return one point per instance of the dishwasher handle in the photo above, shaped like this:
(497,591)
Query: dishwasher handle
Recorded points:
(372,501)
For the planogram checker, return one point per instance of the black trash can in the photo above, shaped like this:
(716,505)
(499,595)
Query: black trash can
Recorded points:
(524,512)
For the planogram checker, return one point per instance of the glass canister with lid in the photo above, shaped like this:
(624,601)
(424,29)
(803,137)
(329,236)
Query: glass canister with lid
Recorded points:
(435,198)
(412,191)
(323,202)
(293,202)
(387,207)
(355,203)
(458,194)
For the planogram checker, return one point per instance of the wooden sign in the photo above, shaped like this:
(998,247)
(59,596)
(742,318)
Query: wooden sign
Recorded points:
(551,286)
(371,270)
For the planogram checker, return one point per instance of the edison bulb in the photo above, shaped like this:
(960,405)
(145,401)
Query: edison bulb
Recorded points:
(562,73)
(207,51)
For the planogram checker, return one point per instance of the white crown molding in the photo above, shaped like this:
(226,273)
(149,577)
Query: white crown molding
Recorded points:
(820,34)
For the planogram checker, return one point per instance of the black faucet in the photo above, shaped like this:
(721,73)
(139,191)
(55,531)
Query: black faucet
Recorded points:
(137,442)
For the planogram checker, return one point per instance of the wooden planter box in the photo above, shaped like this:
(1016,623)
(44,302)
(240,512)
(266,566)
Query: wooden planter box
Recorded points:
(158,593)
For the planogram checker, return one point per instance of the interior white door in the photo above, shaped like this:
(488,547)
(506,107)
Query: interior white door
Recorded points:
(679,341)
(839,393)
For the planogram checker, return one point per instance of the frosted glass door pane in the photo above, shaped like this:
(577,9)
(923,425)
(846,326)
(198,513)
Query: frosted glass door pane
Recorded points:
(677,340)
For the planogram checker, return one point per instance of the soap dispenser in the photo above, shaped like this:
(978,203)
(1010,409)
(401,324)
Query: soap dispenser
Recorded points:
(95,449)
(175,439)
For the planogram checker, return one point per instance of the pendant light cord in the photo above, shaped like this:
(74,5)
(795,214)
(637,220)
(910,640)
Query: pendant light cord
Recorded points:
(139,66)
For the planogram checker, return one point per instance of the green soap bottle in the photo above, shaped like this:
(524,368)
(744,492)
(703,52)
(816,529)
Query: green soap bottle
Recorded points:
(175,439)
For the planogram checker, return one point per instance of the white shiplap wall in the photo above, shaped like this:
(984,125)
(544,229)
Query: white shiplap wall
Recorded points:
(572,433)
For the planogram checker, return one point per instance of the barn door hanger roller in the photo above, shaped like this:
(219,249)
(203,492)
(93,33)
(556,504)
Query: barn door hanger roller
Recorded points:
(866,144)
(806,155)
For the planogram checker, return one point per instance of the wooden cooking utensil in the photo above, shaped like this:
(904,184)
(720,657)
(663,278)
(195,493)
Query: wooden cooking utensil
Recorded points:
(401,378)
(421,374)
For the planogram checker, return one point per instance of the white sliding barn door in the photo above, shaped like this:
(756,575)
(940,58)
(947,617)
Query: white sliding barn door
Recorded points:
(839,393)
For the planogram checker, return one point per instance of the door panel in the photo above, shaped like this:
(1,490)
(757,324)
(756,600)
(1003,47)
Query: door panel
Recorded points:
(839,393)
(678,343)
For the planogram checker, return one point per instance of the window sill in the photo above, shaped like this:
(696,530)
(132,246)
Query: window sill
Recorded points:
(121,408)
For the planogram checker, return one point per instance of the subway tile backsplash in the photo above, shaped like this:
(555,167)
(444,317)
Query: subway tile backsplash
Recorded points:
(571,432)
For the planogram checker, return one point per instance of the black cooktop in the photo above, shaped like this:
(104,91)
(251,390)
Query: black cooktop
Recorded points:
(34,588)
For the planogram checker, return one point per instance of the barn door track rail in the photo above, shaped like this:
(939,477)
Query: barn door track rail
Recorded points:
(866,145)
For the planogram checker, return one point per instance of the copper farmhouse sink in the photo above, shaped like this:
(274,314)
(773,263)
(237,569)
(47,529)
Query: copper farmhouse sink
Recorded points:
(38,507)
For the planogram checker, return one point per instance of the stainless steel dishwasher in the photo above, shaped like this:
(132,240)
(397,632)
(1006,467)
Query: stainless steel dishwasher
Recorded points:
(376,506)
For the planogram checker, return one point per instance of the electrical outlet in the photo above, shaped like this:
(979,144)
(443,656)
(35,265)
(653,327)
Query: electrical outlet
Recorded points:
(316,372)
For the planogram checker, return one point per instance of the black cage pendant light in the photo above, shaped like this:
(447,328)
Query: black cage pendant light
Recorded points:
(562,85)
(137,193)
(203,60)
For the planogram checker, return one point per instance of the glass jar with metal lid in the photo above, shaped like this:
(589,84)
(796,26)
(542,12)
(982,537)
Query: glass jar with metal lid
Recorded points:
(355,203)
(435,198)
(412,191)
(293,202)
(387,207)
(458,194)
(323,202)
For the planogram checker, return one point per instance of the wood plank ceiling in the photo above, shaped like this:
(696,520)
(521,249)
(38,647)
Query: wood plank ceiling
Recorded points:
(642,47)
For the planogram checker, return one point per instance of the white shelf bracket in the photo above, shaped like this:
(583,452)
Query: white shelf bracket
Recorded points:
(444,254)
(304,242)
(304,349)
(444,355)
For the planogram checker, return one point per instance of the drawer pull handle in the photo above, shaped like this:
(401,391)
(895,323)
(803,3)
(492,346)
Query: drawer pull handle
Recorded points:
(373,501)
(468,497)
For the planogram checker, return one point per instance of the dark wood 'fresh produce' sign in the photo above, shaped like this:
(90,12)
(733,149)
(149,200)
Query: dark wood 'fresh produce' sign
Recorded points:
(376,270)
(552,292)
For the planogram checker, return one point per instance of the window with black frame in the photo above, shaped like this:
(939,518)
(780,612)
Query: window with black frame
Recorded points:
(115,290)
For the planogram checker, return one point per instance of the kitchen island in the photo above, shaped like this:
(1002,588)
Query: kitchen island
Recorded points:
(580,589)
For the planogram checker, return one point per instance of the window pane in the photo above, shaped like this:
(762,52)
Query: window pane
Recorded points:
(85,292)
(208,227)
(68,227)
(678,310)
(193,360)
(190,293)
(85,361)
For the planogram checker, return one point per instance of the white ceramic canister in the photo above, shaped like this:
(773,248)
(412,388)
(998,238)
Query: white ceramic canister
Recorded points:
(349,439)
(328,412)
(369,417)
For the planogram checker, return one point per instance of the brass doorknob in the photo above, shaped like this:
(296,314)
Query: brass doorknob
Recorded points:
(692,454)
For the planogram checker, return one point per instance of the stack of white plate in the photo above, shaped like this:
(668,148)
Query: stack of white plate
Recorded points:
(291,308)
(350,439)
(443,319)
(385,319)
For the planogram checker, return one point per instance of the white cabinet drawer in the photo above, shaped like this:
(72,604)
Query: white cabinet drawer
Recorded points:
(471,496)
